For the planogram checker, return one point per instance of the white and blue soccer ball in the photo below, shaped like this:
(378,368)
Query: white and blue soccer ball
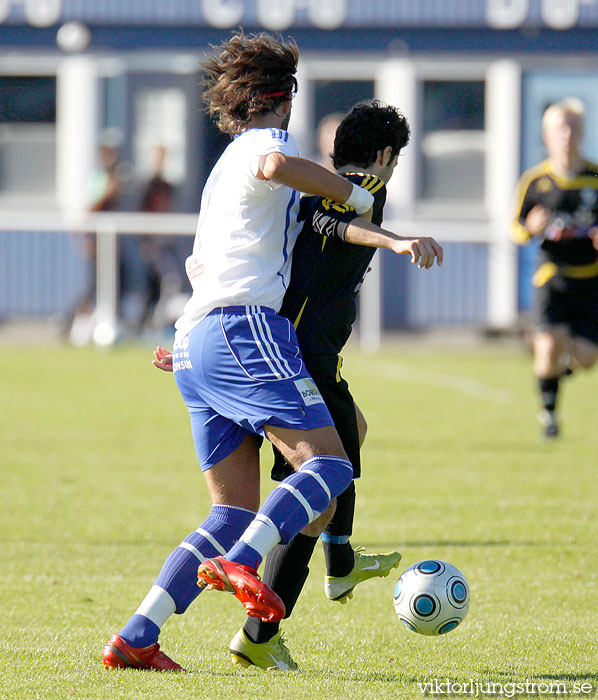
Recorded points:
(431,597)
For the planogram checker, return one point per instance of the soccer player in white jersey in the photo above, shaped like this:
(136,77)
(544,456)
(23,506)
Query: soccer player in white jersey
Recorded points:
(236,361)
(332,254)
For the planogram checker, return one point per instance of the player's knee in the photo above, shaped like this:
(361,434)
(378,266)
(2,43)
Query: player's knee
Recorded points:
(318,525)
(586,361)
(549,345)
(546,360)
(585,353)
(333,473)
(298,446)
(544,369)
(362,426)
(326,441)
(363,431)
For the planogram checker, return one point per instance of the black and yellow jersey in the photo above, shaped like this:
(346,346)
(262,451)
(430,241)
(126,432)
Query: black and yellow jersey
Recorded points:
(328,272)
(573,202)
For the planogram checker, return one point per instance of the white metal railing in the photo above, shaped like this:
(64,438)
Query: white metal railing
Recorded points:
(109,225)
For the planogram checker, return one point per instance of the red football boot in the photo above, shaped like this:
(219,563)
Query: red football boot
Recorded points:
(120,654)
(243,581)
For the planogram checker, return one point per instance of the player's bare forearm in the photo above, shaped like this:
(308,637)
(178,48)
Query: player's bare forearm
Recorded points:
(363,232)
(305,176)
(422,249)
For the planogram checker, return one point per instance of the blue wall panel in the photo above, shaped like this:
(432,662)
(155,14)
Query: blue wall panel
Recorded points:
(40,274)
(454,294)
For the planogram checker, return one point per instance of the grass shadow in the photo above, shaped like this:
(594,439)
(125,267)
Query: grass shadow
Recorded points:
(581,677)
(463,543)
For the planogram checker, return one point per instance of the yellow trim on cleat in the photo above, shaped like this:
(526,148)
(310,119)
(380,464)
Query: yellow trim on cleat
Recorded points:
(269,656)
(366,566)
(240,660)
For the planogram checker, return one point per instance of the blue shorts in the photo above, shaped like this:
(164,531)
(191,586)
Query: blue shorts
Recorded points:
(239,369)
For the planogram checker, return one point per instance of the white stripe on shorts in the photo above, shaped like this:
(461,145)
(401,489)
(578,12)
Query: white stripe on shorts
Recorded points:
(258,342)
(262,316)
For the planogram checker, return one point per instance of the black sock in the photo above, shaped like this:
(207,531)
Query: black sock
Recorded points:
(285,572)
(548,391)
(339,558)
(337,548)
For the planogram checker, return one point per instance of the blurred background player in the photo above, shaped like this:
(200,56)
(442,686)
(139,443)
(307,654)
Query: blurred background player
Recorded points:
(327,274)
(557,202)
(236,361)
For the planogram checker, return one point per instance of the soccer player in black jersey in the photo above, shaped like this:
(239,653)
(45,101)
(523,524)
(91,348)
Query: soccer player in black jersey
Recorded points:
(328,271)
(557,201)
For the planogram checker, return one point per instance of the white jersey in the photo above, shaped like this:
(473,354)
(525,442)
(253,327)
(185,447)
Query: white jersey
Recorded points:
(246,232)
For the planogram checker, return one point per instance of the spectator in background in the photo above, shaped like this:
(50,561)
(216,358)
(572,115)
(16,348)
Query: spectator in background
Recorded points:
(158,193)
(163,269)
(105,184)
(325,134)
(104,194)
(557,202)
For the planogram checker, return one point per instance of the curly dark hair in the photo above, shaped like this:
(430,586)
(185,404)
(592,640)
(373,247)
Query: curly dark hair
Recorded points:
(368,128)
(247,76)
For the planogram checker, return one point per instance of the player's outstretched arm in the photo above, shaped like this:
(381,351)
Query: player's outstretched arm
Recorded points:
(423,249)
(163,359)
(306,176)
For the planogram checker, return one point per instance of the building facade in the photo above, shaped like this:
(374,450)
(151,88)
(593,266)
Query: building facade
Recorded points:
(472,76)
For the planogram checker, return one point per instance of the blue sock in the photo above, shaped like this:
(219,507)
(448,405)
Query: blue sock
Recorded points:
(335,539)
(299,499)
(176,586)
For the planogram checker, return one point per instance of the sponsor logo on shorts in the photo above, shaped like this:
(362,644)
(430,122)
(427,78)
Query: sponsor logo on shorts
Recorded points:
(180,357)
(309,391)
(177,366)
(182,344)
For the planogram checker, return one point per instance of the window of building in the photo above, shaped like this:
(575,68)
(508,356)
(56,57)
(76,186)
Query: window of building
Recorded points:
(453,140)
(160,120)
(332,100)
(339,95)
(27,136)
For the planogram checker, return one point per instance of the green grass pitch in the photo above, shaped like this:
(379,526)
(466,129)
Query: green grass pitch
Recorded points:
(99,482)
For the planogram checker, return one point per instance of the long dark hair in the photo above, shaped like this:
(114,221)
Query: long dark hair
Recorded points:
(246,76)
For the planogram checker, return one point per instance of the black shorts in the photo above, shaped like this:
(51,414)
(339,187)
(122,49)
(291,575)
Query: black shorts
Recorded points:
(565,301)
(338,399)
